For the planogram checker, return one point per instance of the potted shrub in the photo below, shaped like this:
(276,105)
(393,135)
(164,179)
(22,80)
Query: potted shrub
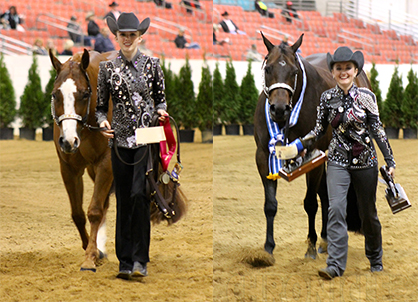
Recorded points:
(31,109)
(249,95)
(391,111)
(186,103)
(218,105)
(48,121)
(409,107)
(374,83)
(232,101)
(205,105)
(7,102)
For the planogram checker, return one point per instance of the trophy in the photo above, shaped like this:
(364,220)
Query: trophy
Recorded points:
(295,165)
(395,194)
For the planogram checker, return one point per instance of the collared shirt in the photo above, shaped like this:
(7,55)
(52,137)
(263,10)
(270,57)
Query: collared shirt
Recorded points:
(355,121)
(137,91)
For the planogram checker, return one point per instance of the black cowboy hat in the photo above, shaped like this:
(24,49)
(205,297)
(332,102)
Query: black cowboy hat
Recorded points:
(128,22)
(225,14)
(345,54)
(113,4)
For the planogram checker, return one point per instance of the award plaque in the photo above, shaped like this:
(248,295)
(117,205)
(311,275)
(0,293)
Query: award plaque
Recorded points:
(395,194)
(295,168)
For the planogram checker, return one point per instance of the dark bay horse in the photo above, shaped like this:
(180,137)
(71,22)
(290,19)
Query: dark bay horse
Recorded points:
(79,148)
(283,81)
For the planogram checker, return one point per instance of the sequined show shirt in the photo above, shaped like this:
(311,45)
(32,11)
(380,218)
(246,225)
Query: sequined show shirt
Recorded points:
(137,91)
(355,121)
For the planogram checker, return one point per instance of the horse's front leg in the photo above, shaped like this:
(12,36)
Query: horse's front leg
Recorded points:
(323,195)
(270,202)
(270,210)
(313,181)
(73,181)
(96,214)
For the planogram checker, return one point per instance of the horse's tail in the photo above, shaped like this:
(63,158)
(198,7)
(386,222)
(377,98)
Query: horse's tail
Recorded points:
(179,204)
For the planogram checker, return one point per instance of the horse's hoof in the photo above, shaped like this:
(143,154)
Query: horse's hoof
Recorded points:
(311,252)
(84,269)
(102,255)
(310,255)
(323,247)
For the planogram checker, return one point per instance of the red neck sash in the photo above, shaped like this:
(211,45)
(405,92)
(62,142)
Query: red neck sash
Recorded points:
(167,154)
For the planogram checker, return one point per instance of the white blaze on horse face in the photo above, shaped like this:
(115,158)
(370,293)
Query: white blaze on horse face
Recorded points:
(69,126)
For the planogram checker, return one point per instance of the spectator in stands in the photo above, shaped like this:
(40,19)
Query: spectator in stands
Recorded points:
(114,12)
(93,28)
(253,55)
(12,20)
(191,3)
(103,42)
(181,41)
(38,48)
(68,48)
(215,40)
(284,42)
(262,8)
(163,3)
(51,46)
(73,25)
(229,26)
(289,12)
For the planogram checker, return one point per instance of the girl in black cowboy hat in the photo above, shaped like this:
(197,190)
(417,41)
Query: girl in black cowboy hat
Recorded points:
(136,84)
(353,114)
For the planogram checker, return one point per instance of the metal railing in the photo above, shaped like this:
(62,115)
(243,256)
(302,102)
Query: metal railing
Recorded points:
(174,31)
(45,19)
(357,38)
(11,46)
(194,9)
(403,23)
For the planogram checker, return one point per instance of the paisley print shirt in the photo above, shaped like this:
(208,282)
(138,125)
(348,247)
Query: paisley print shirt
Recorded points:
(137,91)
(355,121)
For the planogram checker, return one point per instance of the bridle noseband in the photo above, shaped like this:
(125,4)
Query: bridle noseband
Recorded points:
(269,89)
(73,116)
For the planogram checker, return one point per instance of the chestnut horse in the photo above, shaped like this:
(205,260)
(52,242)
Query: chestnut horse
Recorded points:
(79,148)
(283,83)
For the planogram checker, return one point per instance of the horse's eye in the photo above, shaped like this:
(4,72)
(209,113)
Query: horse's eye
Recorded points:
(86,95)
(268,69)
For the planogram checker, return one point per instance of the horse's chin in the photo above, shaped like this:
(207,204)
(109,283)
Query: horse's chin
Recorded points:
(71,151)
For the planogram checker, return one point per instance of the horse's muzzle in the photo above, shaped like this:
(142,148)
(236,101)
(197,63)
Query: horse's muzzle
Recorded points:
(69,147)
(280,113)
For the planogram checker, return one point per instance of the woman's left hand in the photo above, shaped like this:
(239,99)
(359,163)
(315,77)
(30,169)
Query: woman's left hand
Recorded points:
(162,114)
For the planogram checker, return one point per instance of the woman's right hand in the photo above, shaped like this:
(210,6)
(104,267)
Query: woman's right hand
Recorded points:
(108,133)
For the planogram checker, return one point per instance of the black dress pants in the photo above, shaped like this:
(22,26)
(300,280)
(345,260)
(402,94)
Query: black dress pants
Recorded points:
(133,207)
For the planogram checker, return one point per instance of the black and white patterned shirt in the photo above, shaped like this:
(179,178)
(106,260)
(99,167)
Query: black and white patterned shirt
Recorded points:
(137,91)
(353,117)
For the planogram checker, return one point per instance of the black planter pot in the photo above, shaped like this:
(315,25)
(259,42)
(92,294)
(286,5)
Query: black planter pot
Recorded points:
(409,133)
(248,129)
(217,129)
(207,136)
(186,136)
(48,134)
(6,133)
(27,133)
(232,129)
(392,133)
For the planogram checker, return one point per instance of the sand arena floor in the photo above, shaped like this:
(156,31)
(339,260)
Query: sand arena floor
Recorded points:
(200,258)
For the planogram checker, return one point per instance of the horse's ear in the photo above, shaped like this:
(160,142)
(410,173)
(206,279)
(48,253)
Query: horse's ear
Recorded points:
(55,62)
(268,44)
(85,60)
(297,44)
